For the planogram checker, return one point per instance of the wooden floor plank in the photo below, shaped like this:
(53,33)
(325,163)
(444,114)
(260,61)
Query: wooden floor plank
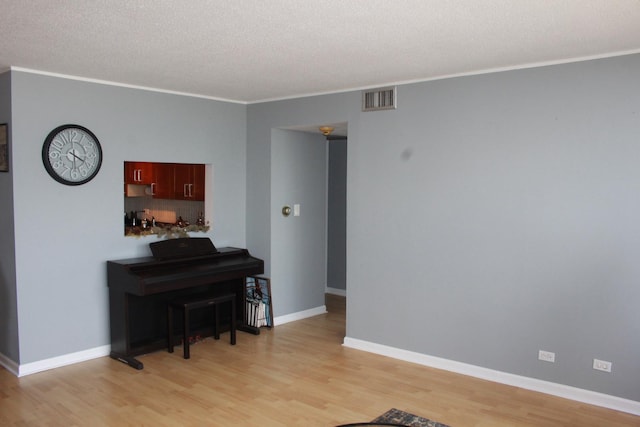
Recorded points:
(295,374)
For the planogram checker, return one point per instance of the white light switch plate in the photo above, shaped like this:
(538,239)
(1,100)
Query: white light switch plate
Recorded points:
(547,356)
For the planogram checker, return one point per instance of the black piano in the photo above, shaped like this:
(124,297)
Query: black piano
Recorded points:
(139,289)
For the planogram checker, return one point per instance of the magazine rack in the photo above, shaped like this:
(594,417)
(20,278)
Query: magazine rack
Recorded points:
(258,296)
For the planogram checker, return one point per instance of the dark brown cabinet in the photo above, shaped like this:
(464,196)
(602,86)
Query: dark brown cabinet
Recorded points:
(177,181)
(189,182)
(163,186)
(138,173)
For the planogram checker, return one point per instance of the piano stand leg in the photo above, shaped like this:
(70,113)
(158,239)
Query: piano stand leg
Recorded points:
(129,360)
(250,329)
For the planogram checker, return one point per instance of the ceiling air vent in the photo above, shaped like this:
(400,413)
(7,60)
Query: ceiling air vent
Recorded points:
(379,99)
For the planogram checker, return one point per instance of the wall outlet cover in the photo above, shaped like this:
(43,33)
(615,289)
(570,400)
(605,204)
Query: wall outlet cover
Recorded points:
(602,365)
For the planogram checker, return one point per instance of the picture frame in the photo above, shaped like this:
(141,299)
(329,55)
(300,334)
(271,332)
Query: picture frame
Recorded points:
(4,148)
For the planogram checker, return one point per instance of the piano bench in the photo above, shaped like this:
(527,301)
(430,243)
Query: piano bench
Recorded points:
(188,304)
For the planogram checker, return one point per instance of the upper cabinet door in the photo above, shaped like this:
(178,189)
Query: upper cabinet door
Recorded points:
(189,182)
(163,186)
(198,182)
(138,173)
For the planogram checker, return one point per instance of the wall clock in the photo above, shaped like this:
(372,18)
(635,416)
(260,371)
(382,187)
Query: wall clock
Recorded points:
(72,154)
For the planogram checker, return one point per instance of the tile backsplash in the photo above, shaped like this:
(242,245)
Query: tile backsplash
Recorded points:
(164,210)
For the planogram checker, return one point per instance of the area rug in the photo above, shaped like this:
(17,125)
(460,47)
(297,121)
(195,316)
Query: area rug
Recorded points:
(398,417)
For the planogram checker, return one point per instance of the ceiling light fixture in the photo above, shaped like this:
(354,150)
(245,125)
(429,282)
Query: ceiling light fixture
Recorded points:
(326,130)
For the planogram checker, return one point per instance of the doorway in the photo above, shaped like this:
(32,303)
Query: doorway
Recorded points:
(337,216)
(308,248)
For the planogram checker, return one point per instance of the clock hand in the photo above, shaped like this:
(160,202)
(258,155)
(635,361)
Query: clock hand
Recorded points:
(72,151)
(72,156)
(76,156)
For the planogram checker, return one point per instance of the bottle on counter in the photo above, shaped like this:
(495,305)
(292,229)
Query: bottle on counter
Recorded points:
(153,221)
(200,220)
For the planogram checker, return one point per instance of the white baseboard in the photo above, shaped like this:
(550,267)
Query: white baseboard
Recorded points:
(560,390)
(280,320)
(59,361)
(9,364)
(335,291)
(94,353)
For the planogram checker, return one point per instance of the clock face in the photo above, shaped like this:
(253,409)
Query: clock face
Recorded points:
(72,154)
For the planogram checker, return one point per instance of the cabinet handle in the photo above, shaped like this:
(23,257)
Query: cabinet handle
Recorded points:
(153,188)
(187,190)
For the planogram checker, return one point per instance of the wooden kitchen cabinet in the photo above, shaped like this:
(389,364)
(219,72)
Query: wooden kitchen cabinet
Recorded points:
(176,181)
(138,173)
(189,182)
(163,186)
(198,182)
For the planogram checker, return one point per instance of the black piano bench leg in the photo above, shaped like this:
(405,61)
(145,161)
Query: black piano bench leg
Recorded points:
(169,328)
(231,299)
(216,322)
(186,305)
(185,338)
(233,320)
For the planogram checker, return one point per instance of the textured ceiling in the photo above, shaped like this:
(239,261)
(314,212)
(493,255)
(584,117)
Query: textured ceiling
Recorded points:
(250,50)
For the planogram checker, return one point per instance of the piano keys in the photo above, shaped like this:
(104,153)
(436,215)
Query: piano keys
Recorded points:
(139,289)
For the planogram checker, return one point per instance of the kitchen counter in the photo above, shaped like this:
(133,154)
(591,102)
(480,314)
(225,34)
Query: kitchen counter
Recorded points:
(164,230)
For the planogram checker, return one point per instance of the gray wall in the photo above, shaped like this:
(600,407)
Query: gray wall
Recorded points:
(64,235)
(489,217)
(337,215)
(8,300)
(261,119)
(498,215)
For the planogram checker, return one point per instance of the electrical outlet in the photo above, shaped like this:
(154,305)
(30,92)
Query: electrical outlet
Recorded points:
(602,365)
(547,356)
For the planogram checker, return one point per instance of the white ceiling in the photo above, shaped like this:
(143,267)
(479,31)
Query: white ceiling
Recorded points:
(251,50)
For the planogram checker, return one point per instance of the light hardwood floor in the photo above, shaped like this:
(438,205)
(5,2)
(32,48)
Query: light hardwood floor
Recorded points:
(297,374)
